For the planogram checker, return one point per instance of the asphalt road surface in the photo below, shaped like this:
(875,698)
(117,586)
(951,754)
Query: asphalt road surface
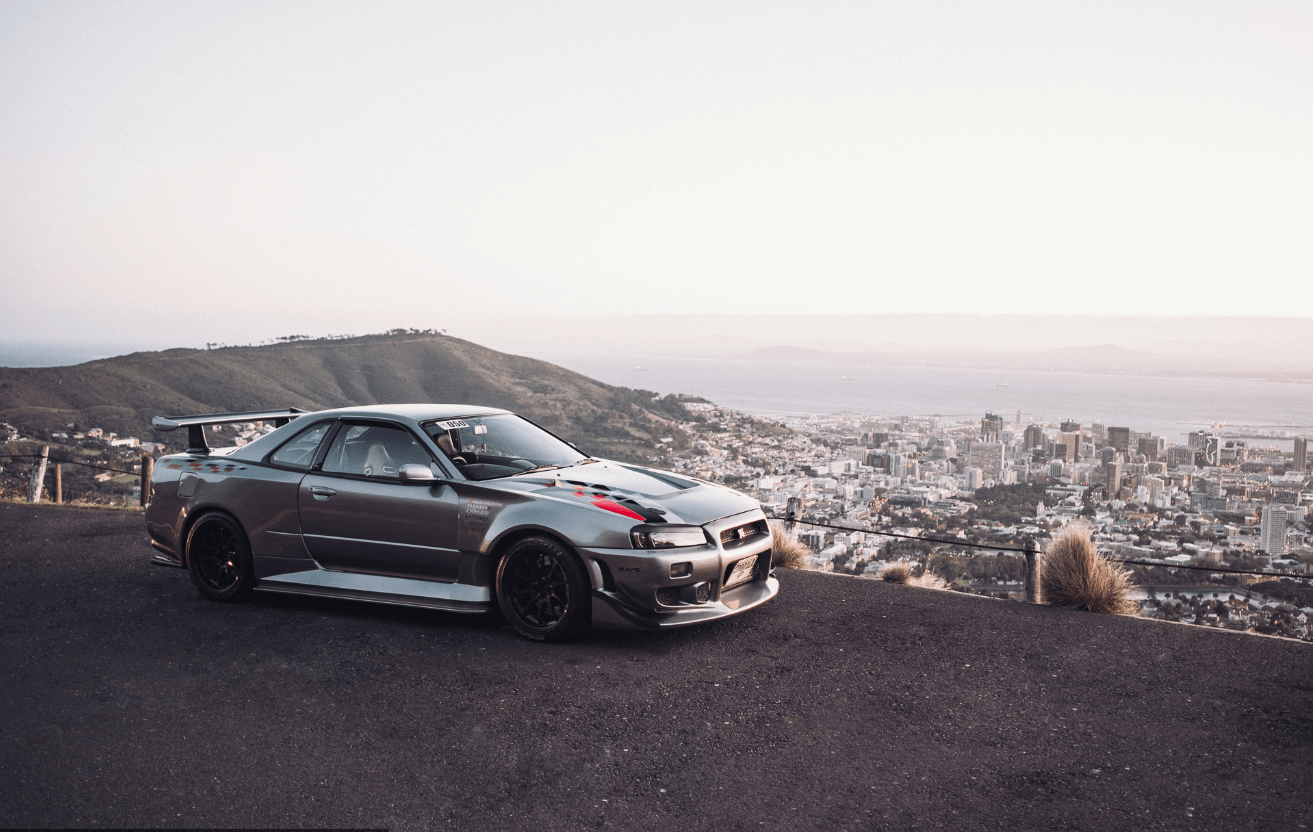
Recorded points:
(126,699)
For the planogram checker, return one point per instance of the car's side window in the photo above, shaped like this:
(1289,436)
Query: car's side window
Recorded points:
(299,451)
(374,451)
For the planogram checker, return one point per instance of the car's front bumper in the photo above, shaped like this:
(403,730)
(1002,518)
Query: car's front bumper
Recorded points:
(634,587)
(610,610)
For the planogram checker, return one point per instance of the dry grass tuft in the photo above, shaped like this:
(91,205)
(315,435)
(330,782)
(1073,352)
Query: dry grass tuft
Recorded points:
(786,549)
(898,573)
(901,573)
(930,581)
(1074,574)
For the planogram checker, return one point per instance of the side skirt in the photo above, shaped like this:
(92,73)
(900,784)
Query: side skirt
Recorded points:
(164,556)
(381,589)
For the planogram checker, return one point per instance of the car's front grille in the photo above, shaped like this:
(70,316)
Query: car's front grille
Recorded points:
(668,596)
(740,534)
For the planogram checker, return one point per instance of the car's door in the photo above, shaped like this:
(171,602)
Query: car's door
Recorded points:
(358,516)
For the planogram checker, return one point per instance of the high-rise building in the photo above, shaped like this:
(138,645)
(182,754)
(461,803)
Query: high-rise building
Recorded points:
(1212,451)
(988,457)
(1149,446)
(1099,433)
(974,477)
(1179,455)
(1233,452)
(1154,485)
(1112,475)
(1301,453)
(1273,539)
(1033,437)
(1120,438)
(1070,427)
(990,427)
(1072,441)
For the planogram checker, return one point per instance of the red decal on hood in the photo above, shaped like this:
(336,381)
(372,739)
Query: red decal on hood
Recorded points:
(613,506)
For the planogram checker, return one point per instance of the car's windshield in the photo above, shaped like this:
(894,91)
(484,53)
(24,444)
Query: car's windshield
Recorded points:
(484,447)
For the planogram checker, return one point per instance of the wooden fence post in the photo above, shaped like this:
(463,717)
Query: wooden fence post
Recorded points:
(38,476)
(794,508)
(1032,572)
(147,469)
(59,484)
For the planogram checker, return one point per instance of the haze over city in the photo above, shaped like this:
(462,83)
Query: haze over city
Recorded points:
(183,174)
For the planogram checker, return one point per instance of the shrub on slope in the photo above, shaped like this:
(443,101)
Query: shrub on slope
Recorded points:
(786,549)
(900,573)
(1074,574)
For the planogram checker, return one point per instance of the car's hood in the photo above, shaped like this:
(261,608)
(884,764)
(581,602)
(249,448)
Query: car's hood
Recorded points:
(647,493)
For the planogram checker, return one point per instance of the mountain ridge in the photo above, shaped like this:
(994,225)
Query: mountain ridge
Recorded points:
(122,393)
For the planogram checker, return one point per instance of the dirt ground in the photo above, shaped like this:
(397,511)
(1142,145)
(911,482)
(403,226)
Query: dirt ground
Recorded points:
(129,700)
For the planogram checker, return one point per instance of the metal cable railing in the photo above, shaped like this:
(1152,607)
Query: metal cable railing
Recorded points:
(973,545)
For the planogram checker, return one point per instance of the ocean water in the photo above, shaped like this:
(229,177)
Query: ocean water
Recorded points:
(1169,407)
(63,354)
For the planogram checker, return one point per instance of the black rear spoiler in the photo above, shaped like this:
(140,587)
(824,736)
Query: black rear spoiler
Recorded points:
(195,425)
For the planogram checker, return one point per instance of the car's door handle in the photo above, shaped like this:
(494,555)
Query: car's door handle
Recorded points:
(321,493)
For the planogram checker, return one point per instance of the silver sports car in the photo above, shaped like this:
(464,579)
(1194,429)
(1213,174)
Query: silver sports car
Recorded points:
(456,508)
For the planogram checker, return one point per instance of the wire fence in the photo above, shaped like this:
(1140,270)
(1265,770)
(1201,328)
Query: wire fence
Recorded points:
(1001,548)
(63,461)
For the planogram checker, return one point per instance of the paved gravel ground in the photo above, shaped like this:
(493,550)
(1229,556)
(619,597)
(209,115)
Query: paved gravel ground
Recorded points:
(128,700)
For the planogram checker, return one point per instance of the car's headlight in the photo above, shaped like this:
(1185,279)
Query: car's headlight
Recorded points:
(668,537)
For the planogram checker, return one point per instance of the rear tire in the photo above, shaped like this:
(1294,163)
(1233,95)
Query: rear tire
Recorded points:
(219,558)
(543,591)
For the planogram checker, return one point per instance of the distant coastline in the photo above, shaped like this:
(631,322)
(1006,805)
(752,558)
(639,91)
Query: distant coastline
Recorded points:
(1169,406)
(25,354)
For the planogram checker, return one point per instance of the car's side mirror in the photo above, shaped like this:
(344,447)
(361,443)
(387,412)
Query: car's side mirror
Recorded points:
(416,473)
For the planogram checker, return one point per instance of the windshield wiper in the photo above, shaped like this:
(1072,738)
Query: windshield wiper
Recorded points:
(535,468)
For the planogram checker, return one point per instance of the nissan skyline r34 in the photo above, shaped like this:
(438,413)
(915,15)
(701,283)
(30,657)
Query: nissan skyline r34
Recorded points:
(457,508)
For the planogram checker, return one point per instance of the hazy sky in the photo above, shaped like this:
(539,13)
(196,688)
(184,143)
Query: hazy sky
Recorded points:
(233,171)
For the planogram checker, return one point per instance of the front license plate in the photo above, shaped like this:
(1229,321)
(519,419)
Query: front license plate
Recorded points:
(743,572)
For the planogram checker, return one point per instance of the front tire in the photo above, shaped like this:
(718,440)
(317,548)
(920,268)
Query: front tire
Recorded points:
(219,558)
(543,591)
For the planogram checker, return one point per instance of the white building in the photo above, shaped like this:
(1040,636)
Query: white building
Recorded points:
(1273,539)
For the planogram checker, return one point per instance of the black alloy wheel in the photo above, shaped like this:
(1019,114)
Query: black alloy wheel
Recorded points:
(219,558)
(543,591)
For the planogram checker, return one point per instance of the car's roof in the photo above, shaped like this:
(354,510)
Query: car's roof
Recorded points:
(413,413)
(416,411)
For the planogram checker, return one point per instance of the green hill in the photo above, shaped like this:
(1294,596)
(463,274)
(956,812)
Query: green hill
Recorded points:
(121,394)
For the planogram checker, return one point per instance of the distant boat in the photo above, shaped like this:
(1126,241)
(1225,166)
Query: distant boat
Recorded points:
(846,378)
(1004,384)
(642,369)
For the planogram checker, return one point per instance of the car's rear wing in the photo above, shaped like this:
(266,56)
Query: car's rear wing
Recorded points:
(195,425)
